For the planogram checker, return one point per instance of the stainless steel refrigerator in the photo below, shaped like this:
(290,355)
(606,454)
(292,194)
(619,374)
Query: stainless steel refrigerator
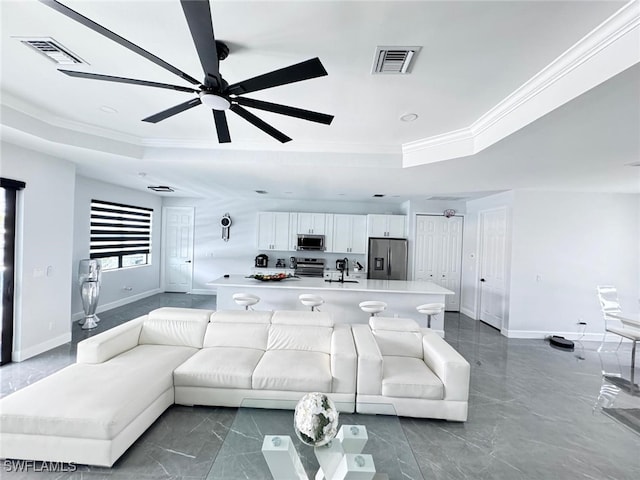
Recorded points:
(387,259)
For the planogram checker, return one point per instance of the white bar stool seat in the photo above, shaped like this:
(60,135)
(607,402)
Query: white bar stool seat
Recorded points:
(373,307)
(313,301)
(245,300)
(430,309)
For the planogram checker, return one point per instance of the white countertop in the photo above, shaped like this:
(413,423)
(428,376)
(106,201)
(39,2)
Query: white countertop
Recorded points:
(363,285)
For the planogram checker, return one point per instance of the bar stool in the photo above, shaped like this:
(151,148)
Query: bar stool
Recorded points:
(430,309)
(372,307)
(313,301)
(245,300)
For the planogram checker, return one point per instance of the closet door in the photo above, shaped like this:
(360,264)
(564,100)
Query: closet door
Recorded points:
(438,254)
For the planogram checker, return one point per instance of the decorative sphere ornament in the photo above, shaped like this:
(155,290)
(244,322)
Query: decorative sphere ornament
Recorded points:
(315,419)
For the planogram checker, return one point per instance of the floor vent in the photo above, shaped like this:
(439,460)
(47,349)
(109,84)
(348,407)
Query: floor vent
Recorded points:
(52,50)
(394,60)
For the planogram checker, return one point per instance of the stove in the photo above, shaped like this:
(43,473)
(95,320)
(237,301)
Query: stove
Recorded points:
(309,267)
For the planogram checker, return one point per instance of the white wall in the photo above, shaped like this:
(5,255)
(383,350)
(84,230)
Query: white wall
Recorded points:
(142,281)
(43,273)
(213,257)
(564,244)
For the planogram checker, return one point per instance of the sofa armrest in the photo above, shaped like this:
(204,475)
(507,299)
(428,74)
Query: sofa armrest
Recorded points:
(106,345)
(343,360)
(369,378)
(448,365)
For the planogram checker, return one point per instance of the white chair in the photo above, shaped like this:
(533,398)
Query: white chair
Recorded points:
(313,301)
(372,307)
(246,300)
(430,309)
(608,298)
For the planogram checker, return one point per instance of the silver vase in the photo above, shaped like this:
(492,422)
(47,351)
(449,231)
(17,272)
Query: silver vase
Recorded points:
(89,278)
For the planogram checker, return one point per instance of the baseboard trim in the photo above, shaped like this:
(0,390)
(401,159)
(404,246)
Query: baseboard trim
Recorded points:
(20,355)
(537,334)
(118,303)
(468,312)
(203,291)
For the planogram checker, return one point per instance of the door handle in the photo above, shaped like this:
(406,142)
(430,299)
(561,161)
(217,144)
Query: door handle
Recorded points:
(482,280)
(188,261)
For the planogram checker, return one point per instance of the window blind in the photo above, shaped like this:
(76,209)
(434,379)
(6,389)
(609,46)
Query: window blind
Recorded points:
(118,229)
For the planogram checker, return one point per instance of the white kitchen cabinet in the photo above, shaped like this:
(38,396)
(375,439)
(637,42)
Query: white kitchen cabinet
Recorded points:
(392,226)
(273,231)
(349,233)
(311,223)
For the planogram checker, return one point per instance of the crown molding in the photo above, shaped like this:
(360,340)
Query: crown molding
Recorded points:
(607,50)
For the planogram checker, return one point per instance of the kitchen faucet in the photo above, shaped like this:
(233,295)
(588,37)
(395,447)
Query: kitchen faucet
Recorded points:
(346,267)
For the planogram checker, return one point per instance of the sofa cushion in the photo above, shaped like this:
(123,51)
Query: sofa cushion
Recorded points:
(94,401)
(300,337)
(242,316)
(219,367)
(408,377)
(297,317)
(402,344)
(393,323)
(175,326)
(243,335)
(292,370)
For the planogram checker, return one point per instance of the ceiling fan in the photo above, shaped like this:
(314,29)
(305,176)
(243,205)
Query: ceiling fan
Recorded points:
(214,91)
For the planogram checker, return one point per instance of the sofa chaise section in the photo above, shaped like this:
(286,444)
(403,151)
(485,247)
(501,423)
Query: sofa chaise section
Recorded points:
(413,370)
(92,411)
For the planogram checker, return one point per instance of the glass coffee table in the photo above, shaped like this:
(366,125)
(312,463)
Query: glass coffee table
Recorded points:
(241,455)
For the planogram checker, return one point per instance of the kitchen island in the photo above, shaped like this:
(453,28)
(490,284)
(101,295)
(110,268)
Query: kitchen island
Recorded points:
(341,299)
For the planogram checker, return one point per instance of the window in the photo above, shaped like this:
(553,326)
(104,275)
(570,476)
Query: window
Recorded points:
(120,235)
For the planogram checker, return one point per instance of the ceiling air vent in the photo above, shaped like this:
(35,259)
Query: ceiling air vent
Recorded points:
(447,198)
(161,188)
(52,50)
(394,60)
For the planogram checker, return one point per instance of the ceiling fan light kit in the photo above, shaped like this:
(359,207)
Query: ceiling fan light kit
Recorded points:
(214,92)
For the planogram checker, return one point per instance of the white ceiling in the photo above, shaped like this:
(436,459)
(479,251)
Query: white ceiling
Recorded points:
(474,54)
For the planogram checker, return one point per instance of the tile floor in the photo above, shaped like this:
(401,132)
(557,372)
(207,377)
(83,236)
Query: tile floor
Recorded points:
(535,413)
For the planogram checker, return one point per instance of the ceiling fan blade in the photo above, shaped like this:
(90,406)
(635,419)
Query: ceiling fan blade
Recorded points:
(295,73)
(285,110)
(265,127)
(109,78)
(221,126)
(173,111)
(59,7)
(198,14)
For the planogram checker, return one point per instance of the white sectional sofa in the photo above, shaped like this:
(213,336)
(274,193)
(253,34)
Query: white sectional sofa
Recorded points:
(92,411)
(124,378)
(269,358)
(412,369)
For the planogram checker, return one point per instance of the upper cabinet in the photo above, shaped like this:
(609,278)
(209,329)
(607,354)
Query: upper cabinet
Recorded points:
(311,223)
(393,226)
(273,231)
(349,233)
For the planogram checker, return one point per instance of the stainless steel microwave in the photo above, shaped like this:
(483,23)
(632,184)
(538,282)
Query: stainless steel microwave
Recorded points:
(310,242)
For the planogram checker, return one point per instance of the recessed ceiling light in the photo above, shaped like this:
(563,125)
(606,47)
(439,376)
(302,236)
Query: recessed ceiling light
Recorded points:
(409,117)
(261,192)
(108,109)
(378,195)
(633,164)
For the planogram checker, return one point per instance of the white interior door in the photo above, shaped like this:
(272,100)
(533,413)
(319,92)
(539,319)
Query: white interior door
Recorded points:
(177,227)
(493,235)
(438,254)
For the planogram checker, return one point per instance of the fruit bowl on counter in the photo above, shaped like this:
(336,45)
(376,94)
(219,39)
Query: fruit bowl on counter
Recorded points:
(276,277)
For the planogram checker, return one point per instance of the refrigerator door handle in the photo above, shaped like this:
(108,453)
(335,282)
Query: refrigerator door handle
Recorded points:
(390,257)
